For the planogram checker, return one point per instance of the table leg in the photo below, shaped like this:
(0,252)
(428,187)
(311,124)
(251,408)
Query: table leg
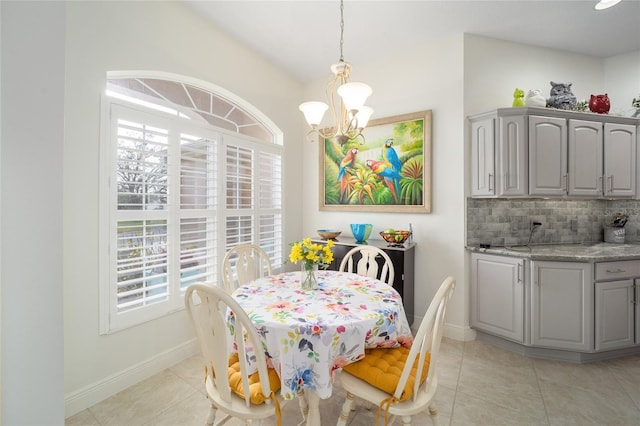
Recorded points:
(313,419)
(304,406)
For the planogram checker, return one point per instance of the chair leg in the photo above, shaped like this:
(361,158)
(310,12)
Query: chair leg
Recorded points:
(212,415)
(406,420)
(346,409)
(433,412)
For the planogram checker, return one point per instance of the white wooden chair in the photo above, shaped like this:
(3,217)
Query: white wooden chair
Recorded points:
(367,264)
(404,401)
(244,263)
(208,310)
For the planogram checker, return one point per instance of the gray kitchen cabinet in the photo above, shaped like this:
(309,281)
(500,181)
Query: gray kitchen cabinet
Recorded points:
(586,175)
(636,301)
(616,304)
(497,295)
(553,153)
(614,314)
(581,158)
(562,305)
(499,155)
(547,156)
(619,160)
(483,172)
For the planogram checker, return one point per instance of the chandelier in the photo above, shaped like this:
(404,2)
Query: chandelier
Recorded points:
(350,117)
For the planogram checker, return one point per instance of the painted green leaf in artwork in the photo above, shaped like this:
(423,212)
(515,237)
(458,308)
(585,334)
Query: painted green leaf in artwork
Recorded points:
(411,183)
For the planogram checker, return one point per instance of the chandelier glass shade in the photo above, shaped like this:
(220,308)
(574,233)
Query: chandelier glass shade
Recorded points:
(345,101)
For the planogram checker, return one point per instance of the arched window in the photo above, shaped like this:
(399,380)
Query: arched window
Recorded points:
(188,170)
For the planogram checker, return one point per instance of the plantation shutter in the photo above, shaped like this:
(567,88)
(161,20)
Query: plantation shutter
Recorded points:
(175,196)
(142,185)
(166,213)
(239,162)
(198,210)
(270,199)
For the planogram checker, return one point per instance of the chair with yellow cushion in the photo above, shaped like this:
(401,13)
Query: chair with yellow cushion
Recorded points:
(226,377)
(387,377)
(367,265)
(244,263)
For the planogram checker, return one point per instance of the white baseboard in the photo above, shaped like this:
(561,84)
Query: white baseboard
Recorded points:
(84,398)
(456,332)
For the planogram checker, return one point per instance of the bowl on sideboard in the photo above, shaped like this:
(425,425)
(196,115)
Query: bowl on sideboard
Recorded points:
(361,231)
(329,234)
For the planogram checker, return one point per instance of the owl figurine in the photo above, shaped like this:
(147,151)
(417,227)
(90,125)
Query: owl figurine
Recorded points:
(518,97)
(561,96)
(535,98)
(635,103)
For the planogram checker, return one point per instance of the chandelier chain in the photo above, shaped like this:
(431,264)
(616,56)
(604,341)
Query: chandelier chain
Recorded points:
(341,29)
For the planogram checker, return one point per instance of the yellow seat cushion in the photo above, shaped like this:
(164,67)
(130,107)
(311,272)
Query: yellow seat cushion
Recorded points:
(255,391)
(381,368)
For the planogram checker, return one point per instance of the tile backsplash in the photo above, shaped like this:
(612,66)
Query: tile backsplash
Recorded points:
(501,222)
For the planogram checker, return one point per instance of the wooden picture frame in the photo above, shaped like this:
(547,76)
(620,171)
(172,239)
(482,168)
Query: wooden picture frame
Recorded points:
(370,180)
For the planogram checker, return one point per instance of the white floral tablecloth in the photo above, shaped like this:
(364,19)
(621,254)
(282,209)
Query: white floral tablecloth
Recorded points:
(308,335)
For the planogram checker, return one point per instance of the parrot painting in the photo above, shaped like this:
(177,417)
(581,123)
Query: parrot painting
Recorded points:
(391,177)
(348,161)
(390,155)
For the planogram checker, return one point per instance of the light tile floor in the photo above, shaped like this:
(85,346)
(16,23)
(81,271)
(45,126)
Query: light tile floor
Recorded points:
(480,384)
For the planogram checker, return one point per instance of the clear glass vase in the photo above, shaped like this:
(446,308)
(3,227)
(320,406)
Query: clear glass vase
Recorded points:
(309,279)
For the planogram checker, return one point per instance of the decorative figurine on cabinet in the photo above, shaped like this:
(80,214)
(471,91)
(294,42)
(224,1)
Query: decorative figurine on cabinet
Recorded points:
(518,97)
(635,103)
(561,96)
(535,99)
(599,104)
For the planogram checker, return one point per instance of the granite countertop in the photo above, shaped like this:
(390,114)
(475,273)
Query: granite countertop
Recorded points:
(594,252)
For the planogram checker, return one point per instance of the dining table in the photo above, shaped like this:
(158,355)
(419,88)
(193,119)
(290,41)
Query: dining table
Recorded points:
(309,335)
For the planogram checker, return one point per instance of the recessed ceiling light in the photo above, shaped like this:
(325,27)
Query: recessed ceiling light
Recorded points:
(605,4)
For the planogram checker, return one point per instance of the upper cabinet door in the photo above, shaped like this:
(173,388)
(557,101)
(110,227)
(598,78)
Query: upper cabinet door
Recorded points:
(547,156)
(512,156)
(619,160)
(585,159)
(483,179)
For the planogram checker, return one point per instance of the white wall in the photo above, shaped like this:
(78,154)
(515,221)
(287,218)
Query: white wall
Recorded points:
(494,68)
(429,77)
(165,36)
(622,81)
(31,199)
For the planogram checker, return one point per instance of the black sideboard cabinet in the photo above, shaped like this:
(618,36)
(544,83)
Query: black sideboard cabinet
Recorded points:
(403,259)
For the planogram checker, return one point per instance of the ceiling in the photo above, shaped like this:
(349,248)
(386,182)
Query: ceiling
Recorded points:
(303,37)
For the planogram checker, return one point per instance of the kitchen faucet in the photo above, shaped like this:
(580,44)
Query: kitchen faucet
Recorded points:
(534,227)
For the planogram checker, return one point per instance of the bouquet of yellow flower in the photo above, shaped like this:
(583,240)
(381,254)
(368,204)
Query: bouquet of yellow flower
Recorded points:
(311,253)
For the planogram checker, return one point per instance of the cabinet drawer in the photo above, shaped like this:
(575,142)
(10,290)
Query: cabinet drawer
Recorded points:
(615,270)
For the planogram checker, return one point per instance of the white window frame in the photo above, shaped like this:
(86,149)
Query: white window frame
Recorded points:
(110,319)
